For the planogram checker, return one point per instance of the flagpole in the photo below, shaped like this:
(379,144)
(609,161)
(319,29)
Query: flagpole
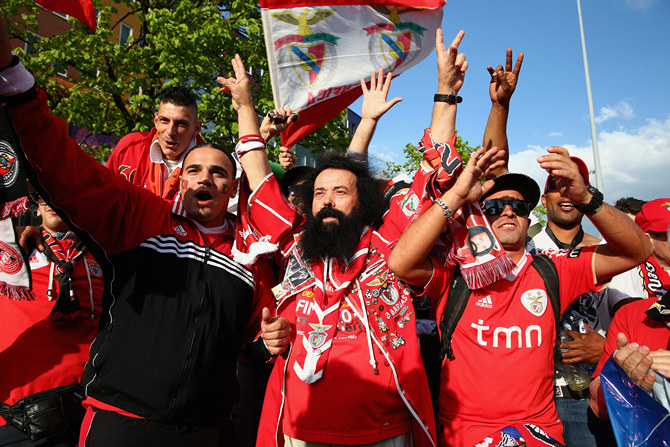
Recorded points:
(594,135)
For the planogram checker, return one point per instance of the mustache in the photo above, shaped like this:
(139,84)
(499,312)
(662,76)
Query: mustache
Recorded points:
(329,212)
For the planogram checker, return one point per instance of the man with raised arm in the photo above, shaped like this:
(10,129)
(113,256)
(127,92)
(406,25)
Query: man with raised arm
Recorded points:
(353,374)
(496,385)
(501,88)
(162,369)
(563,232)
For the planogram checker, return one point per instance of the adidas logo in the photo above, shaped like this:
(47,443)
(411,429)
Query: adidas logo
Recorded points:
(485,302)
(180,230)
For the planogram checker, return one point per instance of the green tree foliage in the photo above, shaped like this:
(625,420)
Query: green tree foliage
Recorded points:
(413,158)
(179,42)
(541,213)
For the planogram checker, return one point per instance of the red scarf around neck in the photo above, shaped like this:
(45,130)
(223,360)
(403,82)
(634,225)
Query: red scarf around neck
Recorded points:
(333,279)
(655,278)
(474,247)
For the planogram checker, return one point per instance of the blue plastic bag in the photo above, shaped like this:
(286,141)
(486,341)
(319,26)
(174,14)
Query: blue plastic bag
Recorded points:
(636,417)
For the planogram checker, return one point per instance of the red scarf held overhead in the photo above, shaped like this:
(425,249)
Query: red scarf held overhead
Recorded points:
(656,279)
(473,246)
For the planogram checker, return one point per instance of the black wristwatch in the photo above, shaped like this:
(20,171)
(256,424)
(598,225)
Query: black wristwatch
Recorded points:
(594,205)
(450,99)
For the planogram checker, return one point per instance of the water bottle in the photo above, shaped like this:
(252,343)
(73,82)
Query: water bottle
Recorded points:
(577,378)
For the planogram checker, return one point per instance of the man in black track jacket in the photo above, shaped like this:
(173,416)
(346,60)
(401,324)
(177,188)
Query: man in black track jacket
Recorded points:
(162,368)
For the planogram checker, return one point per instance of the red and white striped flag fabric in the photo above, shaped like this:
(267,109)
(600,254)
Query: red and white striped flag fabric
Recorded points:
(81,10)
(319,50)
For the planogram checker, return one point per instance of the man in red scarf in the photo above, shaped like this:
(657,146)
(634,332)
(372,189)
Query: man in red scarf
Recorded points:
(353,374)
(641,334)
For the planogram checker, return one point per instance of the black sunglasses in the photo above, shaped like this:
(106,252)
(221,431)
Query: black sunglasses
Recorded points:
(495,207)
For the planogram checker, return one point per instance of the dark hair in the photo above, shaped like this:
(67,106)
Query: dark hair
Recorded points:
(298,174)
(370,198)
(180,96)
(629,205)
(213,146)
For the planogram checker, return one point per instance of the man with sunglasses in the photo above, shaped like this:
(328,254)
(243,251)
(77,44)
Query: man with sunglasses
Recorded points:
(45,342)
(498,387)
(563,232)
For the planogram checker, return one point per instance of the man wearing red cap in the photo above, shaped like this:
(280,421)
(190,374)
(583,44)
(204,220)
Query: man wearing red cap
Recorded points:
(654,220)
(640,331)
(564,231)
(651,279)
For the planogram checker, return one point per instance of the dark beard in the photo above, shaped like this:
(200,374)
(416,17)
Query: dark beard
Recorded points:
(334,240)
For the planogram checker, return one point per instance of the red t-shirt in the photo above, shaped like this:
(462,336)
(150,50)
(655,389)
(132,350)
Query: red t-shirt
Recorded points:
(503,345)
(322,412)
(36,353)
(632,320)
(349,404)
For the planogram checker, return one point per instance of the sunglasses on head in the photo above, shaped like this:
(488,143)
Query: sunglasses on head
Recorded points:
(35,198)
(298,189)
(495,207)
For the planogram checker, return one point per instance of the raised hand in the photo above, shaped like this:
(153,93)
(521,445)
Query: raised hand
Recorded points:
(238,86)
(569,182)
(287,158)
(503,81)
(468,187)
(283,116)
(374,100)
(451,65)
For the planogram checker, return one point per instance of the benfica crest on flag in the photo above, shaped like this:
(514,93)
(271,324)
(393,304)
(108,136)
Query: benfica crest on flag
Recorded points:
(319,50)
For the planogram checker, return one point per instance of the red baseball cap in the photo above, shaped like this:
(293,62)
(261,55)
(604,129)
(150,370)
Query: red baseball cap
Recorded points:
(654,216)
(583,169)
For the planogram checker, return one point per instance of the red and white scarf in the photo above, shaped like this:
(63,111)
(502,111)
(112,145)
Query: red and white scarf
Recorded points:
(333,280)
(248,244)
(478,270)
(67,305)
(655,278)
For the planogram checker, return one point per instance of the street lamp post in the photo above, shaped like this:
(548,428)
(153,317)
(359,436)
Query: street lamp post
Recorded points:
(594,135)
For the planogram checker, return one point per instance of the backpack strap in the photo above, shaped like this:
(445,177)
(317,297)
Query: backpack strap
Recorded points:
(547,270)
(456,301)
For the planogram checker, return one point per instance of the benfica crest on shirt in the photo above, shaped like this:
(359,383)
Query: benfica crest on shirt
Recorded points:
(318,336)
(535,301)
